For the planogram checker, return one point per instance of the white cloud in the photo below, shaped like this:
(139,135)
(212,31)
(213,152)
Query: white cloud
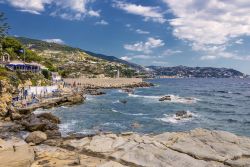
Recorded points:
(31,6)
(170,52)
(102,22)
(126,58)
(210,25)
(149,13)
(94,13)
(139,31)
(55,40)
(145,47)
(225,55)
(66,9)
(30,11)
(239,41)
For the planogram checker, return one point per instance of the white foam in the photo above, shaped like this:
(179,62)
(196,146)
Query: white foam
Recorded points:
(148,97)
(113,124)
(174,119)
(114,110)
(174,98)
(67,127)
(117,101)
(135,114)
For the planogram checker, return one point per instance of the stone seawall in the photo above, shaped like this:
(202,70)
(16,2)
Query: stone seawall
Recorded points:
(103,82)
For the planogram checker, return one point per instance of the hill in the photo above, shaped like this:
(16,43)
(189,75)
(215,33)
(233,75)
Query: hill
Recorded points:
(196,72)
(40,45)
(75,62)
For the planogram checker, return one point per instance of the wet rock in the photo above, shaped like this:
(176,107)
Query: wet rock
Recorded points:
(123,101)
(36,137)
(182,115)
(48,116)
(74,99)
(15,153)
(127,90)
(165,98)
(94,92)
(33,123)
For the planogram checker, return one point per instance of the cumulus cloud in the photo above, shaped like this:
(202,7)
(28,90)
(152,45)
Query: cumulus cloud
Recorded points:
(31,6)
(210,25)
(102,22)
(149,13)
(55,40)
(145,47)
(66,9)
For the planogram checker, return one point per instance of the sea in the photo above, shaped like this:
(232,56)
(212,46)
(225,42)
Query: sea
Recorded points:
(215,104)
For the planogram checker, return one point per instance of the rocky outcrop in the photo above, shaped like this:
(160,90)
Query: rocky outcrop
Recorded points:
(139,85)
(58,157)
(201,148)
(15,153)
(6,91)
(197,148)
(36,137)
(52,118)
(179,115)
(59,101)
(33,123)
(165,98)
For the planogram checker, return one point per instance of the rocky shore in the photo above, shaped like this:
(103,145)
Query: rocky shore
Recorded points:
(197,148)
(34,140)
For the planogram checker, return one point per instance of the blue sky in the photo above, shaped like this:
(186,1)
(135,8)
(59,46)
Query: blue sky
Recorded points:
(154,32)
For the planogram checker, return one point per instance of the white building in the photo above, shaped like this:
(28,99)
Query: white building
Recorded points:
(56,77)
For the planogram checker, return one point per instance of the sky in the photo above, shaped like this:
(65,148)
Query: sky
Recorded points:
(214,33)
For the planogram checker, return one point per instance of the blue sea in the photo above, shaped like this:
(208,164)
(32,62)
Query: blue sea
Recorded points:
(216,104)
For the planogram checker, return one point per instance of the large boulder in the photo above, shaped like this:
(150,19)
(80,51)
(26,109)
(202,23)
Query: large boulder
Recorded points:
(15,153)
(52,118)
(36,137)
(34,123)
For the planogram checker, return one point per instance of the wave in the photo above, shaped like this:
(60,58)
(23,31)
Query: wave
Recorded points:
(174,98)
(135,114)
(174,119)
(113,124)
(67,127)
(142,96)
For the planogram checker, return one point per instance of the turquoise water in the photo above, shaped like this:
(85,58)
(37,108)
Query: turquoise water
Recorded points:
(221,104)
